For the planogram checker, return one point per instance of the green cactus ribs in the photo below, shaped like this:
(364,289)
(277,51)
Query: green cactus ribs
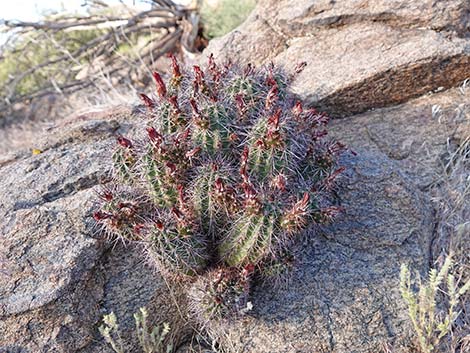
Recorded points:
(226,175)
(124,159)
(177,249)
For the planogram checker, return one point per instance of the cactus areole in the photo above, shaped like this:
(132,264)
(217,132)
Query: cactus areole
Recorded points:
(228,173)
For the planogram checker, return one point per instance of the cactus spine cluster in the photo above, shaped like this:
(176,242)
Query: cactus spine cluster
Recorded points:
(228,173)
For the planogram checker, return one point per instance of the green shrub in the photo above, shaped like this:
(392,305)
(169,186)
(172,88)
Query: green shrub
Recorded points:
(150,340)
(431,321)
(225,16)
(38,48)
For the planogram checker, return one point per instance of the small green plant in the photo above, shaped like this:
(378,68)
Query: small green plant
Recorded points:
(34,49)
(230,172)
(224,16)
(151,341)
(430,321)
(110,332)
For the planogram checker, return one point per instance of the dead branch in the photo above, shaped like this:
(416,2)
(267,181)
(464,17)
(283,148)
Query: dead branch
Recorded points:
(166,24)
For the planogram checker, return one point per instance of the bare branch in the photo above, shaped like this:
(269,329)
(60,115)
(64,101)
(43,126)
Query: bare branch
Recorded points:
(166,24)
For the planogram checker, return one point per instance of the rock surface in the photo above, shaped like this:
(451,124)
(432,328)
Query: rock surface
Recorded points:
(344,295)
(58,277)
(411,133)
(359,54)
(307,16)
(362,55)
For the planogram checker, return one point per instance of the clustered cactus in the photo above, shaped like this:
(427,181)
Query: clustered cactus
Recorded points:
(230,172)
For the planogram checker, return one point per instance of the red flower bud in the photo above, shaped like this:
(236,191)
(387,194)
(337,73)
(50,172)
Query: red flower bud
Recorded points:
(248,270)
(199,80)
(194,109)
(161,88)
(245,153)
(295,219)
(147,100)
(272,96)
(159,225)
(175,66)
(212,66)
(297,110)
(211,62)
(124,142)
(177,213)
(199,73)
(172,167)
(100,216)
(174,102)
(106,195)
(273,120)
(252,204)
(181,195)
(271,81)
(193,152)
(154,136)
(244,175)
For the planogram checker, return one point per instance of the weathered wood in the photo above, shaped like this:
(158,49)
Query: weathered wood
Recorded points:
(167,24)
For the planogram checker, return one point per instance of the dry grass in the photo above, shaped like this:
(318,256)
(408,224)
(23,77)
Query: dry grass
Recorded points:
(44,79)
(439,307)
(451,197)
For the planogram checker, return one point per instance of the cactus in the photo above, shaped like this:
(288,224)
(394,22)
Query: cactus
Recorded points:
(248,241)
(212,196)
(277,270)
(124,158)
(233,170)
(123,212)
(220,293)
(177,249)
